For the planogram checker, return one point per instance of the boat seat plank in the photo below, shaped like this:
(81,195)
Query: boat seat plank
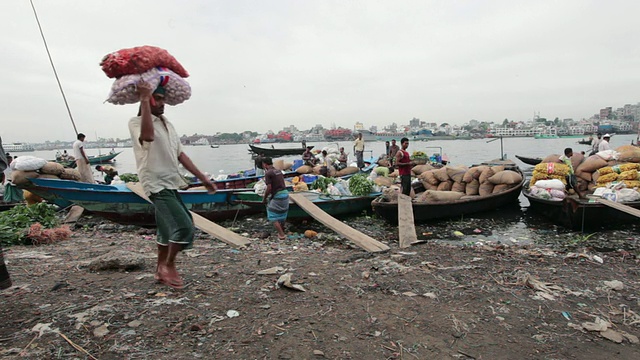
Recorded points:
(621,207)
(364,241)
(406,225)
(221,233)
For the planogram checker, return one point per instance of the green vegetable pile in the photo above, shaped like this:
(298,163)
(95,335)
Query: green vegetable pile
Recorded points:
(15,223)
(360,185)
(128,177)
(322,184)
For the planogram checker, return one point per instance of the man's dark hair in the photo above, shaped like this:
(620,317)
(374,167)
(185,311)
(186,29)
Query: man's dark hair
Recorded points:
(80,136)
(267,161)
(403,140)
(568,151)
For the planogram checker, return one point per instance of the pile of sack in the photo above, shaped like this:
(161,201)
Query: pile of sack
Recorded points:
(151,64)
(451,183)
(25,167)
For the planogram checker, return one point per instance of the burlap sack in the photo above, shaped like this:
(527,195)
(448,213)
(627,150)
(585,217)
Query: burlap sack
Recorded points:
(459,187)
(473,173)
(506,177)
(428,177)
(485,189)
(591,164)
(347,171)
(441,174)
(625,148)
(431,196)
(419,169)
(485,175)
(445,185)
(553,158)
(456,173)
(52,168)
(279,164)
(19,177)
(632,156)
(70,174)
(576,160)
(584,175)
(383,181)
(500,188)
(304,169)
(472,187)
(390,194)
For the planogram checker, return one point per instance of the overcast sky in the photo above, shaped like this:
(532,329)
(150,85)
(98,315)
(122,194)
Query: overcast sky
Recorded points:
(261,65)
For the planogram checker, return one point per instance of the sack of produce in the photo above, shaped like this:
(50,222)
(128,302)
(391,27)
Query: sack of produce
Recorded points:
(459,187)
(576,160)
(382,171)
(177,90)
(390,194)
(70,174)
(550,184)
(441,174)
(52,168)
(507,177)
(472,188)
(138,60)
(486,188)
(419,169)
(625,148)
(584,175)
(551,169)
(383,181)
(485,175)
(278,164)
(304,169)
(628,175)
(431,196)
(19,177)
(348,171)
(553,158)
(632,184)
(607,178)
(383,162)
(539,176)
(591,164)
(469,197)
(301,186)
(500,188)
(395,173)
(632,155)
(428,177)
(27,163)
(445,185)
(456,173)
(473,173)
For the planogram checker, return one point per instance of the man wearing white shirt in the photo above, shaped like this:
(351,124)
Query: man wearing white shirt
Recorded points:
(82,161)
(604,144)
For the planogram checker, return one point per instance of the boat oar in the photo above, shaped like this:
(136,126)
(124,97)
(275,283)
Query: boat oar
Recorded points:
(223,234)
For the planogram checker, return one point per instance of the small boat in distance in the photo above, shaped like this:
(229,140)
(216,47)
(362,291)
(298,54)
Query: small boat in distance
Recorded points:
(93,160)
(215,146)
(529,161)
(275,152)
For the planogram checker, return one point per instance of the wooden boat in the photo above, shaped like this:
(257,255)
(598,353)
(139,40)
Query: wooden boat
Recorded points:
(425,212)
(119,204)
(529,161)
(215,146)
(585,141)
(579,214)
(93,160)
(333,205)
(277,152)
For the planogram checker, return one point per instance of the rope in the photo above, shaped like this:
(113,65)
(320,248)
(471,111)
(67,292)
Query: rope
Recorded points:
(53,67)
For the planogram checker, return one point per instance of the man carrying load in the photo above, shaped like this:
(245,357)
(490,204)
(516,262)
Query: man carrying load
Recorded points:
(158,153)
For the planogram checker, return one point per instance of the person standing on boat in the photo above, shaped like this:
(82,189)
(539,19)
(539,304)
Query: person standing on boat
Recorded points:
(403,163)
(386,147)
(604,144)
(393,150)
(358,149)
(595,143)
(571,177)
(343,159)
(158,154)
(82,161)
(275,196)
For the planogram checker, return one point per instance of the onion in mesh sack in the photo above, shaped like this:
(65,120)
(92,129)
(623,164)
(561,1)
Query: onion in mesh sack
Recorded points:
(123,90)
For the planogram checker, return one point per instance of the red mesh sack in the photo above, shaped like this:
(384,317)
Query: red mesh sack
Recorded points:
(138,60)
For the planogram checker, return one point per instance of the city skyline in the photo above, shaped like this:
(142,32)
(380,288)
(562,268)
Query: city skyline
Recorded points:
(266,65)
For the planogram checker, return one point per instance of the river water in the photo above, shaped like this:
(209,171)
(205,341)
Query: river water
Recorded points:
(516,224)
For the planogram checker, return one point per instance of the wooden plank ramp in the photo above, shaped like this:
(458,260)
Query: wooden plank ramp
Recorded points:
(406,225)
(622,207)
(364,241)
(221,233)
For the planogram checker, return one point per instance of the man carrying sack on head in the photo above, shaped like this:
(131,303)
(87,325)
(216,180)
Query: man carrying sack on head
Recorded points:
(158,153)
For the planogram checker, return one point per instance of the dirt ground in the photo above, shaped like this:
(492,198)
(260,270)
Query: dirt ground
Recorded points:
(434,300)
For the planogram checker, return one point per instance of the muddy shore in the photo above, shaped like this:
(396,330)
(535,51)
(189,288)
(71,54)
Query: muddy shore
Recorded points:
(481,288)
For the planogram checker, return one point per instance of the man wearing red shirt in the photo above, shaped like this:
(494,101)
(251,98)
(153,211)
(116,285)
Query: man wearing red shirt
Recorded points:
(403,163)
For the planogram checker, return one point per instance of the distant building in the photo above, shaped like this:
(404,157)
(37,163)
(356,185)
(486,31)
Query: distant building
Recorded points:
(605,113)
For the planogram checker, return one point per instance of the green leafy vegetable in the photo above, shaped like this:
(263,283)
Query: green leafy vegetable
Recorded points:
(360,185)
(128,177)
(15,223)
(322,183)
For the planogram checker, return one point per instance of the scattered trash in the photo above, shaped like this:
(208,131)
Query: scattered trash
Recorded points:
(318,353)
(285,280)
(409,294)
(42,328)
(310,234)
(232,314)
(566,315)
(614,285)
(458,233)
(430,295)
(598,259)
(271,271)
(134,323)
(101,330)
